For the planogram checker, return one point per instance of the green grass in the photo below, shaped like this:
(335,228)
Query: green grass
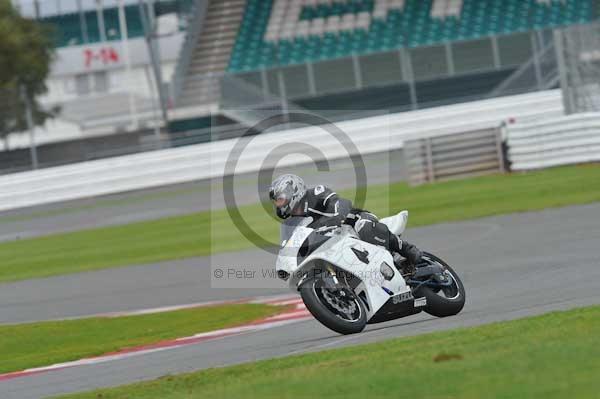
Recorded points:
(554,356)
(29,345)
(207,233)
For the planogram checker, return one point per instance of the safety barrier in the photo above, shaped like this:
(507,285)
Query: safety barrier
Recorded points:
(284,148)
(455,155)
(556,141)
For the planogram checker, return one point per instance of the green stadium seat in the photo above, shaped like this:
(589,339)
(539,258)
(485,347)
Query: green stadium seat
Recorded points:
(409,26)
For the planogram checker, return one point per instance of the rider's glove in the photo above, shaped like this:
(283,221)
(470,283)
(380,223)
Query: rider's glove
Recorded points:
(325,229)
(350,219)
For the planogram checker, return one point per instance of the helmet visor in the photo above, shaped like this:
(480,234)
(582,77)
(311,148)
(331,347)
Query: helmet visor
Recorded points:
(280,201)
(281,198)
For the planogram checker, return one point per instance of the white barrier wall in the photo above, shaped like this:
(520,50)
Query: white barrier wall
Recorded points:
(192,163)
(556,141)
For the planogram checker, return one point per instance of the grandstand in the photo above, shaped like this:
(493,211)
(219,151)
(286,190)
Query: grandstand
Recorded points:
(212,36)
(284,32)
(356,57)
(395,54)
(247,37)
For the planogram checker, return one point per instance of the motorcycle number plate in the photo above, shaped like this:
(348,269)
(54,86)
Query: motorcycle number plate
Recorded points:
(420,302)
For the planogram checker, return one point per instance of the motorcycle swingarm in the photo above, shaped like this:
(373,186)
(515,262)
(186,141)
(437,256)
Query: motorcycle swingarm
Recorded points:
(427,271)
(427,276)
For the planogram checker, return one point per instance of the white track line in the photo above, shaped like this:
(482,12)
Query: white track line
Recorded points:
(296,314)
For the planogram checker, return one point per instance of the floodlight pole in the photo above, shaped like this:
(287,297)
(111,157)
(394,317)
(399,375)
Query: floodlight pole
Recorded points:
(127,59)
(30,127)
(151,42)
(567,94)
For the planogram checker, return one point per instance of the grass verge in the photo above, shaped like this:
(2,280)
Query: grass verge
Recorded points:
(551,356)
(30,345)
(207,233)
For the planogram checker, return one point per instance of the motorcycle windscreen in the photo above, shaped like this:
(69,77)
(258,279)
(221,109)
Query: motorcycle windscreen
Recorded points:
(289,226)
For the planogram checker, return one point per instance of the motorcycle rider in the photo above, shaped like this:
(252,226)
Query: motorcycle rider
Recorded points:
(291,197)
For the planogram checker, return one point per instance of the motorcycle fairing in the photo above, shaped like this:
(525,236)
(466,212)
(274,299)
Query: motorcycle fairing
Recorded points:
(338,251)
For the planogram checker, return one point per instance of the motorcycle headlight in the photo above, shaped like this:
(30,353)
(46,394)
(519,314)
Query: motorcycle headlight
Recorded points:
(386,270)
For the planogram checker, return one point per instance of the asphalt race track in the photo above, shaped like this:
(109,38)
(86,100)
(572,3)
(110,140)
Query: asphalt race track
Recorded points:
(183,199)
(512,266)
(125,289)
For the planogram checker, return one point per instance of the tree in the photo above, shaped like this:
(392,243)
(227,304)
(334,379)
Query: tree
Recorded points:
(26,52)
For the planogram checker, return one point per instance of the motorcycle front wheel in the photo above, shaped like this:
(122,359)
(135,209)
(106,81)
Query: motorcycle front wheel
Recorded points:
(339,310)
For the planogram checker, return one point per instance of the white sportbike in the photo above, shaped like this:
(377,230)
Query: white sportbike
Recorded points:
(347,283)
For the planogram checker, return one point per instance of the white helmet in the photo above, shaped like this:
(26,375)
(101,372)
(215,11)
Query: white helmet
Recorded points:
(286,192)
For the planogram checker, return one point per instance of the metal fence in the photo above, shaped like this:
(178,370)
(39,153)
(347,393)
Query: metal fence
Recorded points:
(407,65)
(17,114)
(578,50)
(26,149)
(539,73)
(451,156)
(92,127)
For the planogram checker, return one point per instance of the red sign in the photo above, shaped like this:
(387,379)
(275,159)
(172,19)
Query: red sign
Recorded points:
(104,55)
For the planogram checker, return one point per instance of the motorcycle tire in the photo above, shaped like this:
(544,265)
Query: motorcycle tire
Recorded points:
(325,315)
(441,306)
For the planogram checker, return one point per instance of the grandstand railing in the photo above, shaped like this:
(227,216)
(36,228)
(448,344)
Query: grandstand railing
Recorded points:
(236,94)
(409,65)
(195,25)
(578,50)
(539,73)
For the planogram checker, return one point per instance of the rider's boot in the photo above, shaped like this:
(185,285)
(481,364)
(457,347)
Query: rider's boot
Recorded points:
(406,249)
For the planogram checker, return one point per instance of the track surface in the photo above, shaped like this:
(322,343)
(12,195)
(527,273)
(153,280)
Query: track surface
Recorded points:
(181,199)
(512,266)
(129,288)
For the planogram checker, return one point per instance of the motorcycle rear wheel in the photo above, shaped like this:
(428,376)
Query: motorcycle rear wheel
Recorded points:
(445,302)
